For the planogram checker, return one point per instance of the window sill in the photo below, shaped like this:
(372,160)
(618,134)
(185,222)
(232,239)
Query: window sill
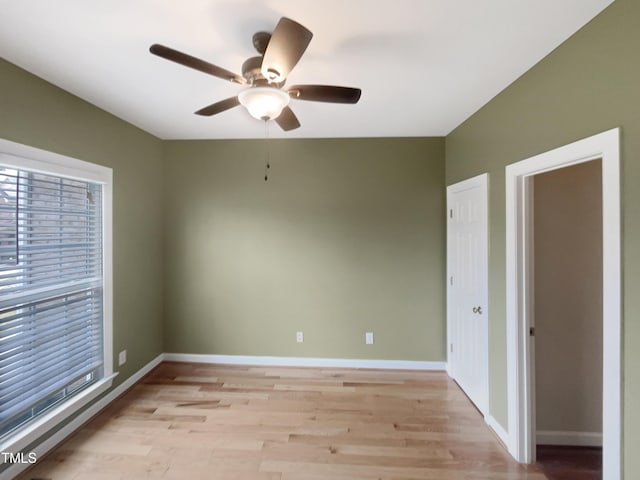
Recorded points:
(34,430)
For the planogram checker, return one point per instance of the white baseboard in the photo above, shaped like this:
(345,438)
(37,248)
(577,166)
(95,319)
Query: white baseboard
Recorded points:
(574,439)
(43,447)
(304,361)
(498,429)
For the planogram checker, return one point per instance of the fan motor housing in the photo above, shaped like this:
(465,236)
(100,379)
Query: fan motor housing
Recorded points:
(251,70)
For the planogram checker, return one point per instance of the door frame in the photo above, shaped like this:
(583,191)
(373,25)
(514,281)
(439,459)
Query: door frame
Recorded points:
(519,241)
(480,181)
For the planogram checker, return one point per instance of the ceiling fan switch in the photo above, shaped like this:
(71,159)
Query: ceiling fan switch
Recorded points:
(272,74)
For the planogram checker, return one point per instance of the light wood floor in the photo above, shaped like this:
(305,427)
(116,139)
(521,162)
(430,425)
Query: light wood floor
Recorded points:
(195,421)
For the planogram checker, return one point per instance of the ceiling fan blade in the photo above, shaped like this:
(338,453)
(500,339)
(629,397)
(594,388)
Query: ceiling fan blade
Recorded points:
(287,120)
(195,63)
(325,93)
(288,42)
(218,107)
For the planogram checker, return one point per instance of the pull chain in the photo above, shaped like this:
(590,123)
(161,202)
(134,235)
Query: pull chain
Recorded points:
(267,164)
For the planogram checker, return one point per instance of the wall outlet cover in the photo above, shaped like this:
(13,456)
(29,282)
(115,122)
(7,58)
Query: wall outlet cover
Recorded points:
(368,338)
(122,358)
(299,337)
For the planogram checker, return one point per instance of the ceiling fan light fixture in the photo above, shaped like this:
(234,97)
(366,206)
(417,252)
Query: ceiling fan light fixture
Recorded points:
(265,75)
(264,103)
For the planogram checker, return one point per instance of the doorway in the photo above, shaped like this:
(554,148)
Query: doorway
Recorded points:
(521,294)
(566,347)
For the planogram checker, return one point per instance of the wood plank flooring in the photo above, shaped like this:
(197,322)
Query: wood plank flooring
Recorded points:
(196,421)
(570,463)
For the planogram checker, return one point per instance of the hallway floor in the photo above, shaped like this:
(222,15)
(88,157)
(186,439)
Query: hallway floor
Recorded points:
(570,463)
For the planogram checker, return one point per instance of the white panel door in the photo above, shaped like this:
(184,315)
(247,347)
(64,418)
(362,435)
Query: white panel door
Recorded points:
(467,309)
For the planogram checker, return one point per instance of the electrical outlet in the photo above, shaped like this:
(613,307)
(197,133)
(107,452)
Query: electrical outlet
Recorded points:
(122,358)
(299,337)
(368,338)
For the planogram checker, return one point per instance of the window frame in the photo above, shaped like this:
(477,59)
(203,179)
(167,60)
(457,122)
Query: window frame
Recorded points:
(15,155)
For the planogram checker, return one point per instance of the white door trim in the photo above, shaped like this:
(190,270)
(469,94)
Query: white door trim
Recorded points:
(605,146)
(482,182)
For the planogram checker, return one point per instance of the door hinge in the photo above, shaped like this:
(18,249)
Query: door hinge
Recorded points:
(451,348)
(450,213)
(451,281)
(532,331)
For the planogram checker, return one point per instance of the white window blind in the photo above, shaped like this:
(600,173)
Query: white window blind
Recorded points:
(51,291)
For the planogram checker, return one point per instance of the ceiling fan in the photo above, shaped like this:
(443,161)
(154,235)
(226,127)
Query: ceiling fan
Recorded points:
(265,75)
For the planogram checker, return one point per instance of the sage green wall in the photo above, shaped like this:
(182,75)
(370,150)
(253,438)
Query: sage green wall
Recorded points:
(589,84)
(36,113)
(347,236)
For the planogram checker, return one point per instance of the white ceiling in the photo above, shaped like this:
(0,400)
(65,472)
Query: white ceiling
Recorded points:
(424,66)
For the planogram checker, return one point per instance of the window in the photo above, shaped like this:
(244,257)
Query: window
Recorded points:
(55,287)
